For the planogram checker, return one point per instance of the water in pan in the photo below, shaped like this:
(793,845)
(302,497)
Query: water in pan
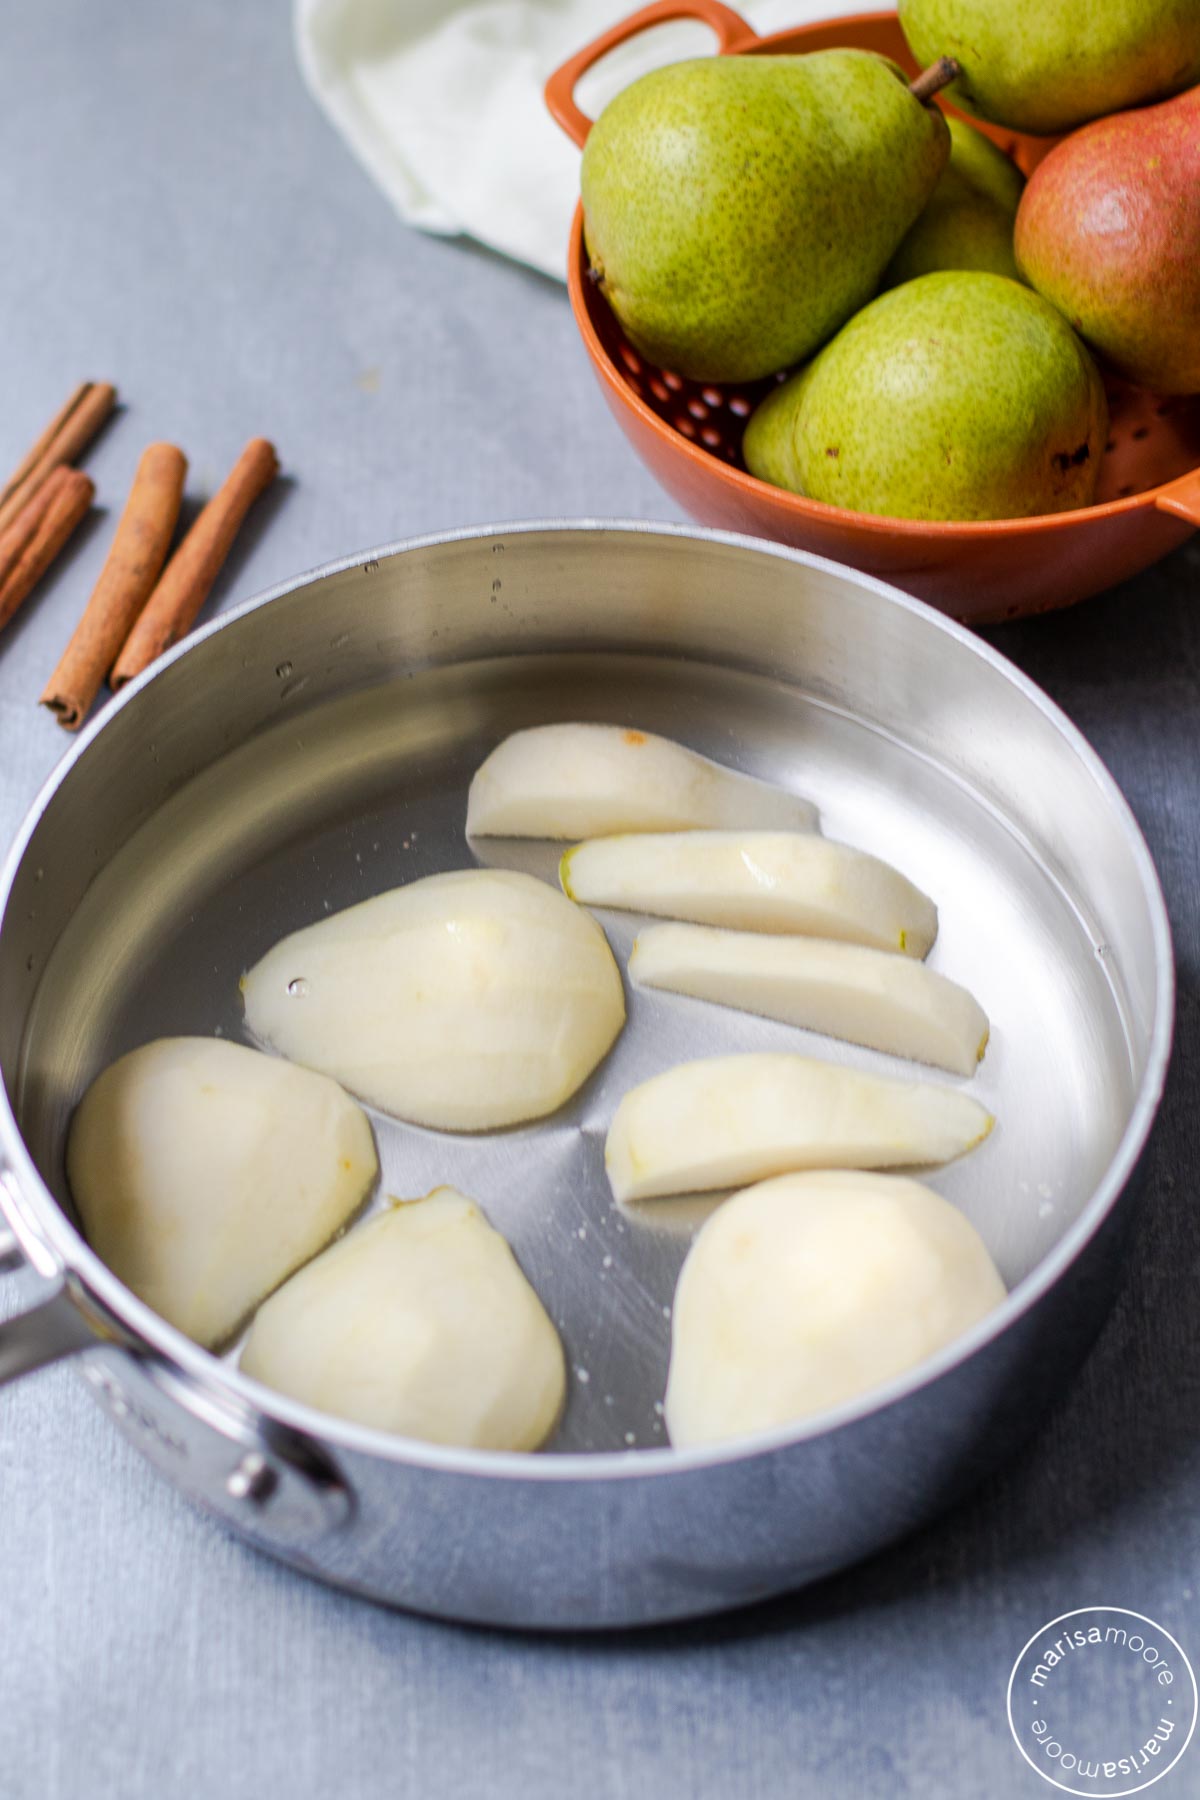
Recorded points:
(365,793)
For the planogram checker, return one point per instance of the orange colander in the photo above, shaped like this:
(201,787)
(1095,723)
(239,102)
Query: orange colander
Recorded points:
(690,434)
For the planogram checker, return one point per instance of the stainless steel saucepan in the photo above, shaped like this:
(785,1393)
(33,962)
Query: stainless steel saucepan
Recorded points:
(314,748)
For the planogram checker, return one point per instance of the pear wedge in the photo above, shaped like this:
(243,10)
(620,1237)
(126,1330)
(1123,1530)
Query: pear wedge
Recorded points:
(579,781)
(775,881)
(421,1323)
(804,1293)
(205,1172)
(728,1120)
(465,1001)
(884,1002)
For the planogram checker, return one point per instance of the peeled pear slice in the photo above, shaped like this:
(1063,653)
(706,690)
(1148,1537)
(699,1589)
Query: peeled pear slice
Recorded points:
(419,1322)
(205,1172)
(465,1001)
(726,1120)
(805,1292)
(775,881)
(888,1003)
(577,781)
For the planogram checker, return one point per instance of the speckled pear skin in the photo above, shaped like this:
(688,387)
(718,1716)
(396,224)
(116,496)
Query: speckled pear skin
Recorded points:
(1046,66)
(968,223)
(768,448)
(739,209)
(1110,232)
(961,395)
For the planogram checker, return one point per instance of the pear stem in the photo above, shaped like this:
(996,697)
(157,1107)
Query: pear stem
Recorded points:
(932,80)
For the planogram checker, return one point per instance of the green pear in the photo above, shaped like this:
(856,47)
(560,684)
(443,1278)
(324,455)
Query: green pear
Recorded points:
(739,209)
(961,395)
(767,447)
(1110,233)
(968,223)
(1046,66)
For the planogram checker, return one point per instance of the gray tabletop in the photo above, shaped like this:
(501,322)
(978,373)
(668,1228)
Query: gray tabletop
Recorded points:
(178,217)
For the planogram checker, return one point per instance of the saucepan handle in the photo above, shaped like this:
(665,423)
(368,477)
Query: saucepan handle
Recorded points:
(730,28)
(1182,498)
(10,1252)
(262,1476)
(49,1329)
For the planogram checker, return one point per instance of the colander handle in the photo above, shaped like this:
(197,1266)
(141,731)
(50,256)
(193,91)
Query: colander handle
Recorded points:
(730,28)
(1182,498)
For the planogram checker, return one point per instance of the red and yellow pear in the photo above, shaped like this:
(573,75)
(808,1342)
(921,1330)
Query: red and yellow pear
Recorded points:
(1108,229)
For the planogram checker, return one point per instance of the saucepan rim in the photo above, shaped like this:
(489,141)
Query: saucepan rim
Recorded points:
(50,1226)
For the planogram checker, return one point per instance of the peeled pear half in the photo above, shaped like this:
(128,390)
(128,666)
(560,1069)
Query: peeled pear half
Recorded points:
(888,1003)
(776,881)
(465,1001)
(205,1173)
(578,781)
(727,1120)
(805,1292)
(419,1322)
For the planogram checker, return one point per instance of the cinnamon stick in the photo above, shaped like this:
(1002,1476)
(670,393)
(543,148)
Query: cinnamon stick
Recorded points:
(42,443)
(63,514)
(16,536)
(185,582)
(68,434)
(139,550)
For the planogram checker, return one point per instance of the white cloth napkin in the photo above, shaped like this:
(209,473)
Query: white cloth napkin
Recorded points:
(441,101)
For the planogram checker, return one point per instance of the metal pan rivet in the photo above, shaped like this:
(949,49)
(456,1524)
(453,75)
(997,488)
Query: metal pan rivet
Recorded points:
(254,1479)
